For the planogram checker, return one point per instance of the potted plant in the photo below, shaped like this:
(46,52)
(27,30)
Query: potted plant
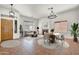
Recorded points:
(74,31)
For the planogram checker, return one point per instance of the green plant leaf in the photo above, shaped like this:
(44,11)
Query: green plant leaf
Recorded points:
(74,29)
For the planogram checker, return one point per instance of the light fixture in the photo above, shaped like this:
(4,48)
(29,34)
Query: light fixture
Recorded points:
(51,15)
(11,12)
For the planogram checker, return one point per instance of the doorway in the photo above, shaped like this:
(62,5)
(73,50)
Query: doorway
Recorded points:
(6,29)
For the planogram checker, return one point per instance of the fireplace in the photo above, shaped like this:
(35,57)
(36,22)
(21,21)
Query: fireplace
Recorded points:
(44,30)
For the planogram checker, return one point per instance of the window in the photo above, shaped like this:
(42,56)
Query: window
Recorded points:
(15,26)
(31,28)
(61,26)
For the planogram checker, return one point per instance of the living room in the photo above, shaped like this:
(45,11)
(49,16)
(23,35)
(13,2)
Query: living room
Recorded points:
(23,26)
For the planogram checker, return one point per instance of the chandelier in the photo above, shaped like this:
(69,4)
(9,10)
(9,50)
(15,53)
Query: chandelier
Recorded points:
(51,15)
(11,12)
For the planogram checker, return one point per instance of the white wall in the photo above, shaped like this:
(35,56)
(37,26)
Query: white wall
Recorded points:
(71,16)
(16,35)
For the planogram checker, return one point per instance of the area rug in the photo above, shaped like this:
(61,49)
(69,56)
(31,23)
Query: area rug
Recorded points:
(10,43)
(58,45)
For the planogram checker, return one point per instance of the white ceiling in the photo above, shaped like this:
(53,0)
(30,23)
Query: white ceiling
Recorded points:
(40,10)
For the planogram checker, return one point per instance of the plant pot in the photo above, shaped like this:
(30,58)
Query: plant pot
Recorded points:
(75,39)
